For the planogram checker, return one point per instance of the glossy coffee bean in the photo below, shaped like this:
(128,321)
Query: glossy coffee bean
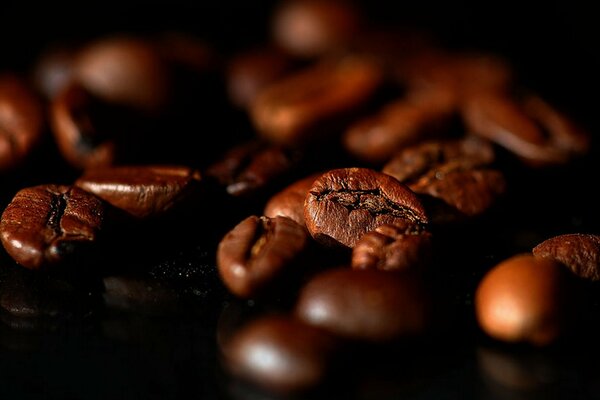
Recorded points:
(316,100)
(142,191)
(535,131)
(310,28)
(259,251)
(251,167)
(47,224)
(344,204)
(280,354)
(84,129)
(393,248)
(524,299)
(21,121)
(249,72)
(124,70)
(580,252)
(289,202)
(398,124)
(367,305)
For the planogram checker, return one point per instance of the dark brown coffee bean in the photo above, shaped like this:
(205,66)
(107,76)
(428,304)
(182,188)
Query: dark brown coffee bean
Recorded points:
(310,28)
(142,191)
(316,100)
(280,354)
(523,299)
(580,252)
(452,174)
(365,304)
(417,160)
(289,202)
(257,252)
(47,224)
(376,138)
(124,70)
(249,72)
(82,127)
(393,248)
(537,133)
(21,121)
(345,203)
(253,166)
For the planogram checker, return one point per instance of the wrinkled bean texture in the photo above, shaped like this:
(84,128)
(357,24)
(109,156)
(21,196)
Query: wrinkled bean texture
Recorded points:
(580,252)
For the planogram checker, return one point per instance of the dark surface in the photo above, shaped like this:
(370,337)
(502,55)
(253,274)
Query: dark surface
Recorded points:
(101,353)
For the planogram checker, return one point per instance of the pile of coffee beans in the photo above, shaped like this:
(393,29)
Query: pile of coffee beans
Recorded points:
(366,160)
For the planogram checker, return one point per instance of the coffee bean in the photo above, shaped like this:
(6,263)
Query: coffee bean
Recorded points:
(345,203)
(124,70)
(48,224)
(143,191)
(369,305)
(53,70)
(21,121)
(309,28)
(403,122)
(252,70)
(314,102)
(289,202)
(580,252)
(523,299)
(532,129)
(393,247)
(280,354)
(257,252)
(253,167)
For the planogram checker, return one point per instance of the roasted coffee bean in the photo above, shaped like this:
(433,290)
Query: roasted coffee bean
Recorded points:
(580,252)
(257,252)
(403,122)
(280,354)
(48,224)
(142,191)
(536,132)
(310,28)
(21,121)
(417,160)
(289,202)
(83,128)
(253,166)
(524,299)
(124,70)
(453,177)
(393,248)
(344,204)
(249,72)
(316,100)
(368,305)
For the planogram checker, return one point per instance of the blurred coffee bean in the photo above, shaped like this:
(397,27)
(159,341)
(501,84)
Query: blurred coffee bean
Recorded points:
(311,28)
(369,305)
(289,202)
(280,354)
(393,248)
(316,101)
(580,252)
(53,70)
(524,299)
(253,166)
(533,130)
(124,70)
(258,252)
(49,224)
(143,191)
(21,121)
(248,72)
(344,204)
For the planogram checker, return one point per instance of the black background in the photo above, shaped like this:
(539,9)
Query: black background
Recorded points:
(554,47)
